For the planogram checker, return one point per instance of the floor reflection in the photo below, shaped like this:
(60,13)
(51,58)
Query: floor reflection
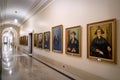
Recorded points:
(7,60)
(19,66)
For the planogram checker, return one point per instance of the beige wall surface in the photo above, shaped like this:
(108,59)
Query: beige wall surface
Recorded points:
(72,13)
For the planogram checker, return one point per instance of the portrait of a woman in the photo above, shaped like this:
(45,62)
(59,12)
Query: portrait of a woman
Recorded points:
(99,46)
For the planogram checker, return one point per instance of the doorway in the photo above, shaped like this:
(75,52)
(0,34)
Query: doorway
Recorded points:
(30,38)
(9,39)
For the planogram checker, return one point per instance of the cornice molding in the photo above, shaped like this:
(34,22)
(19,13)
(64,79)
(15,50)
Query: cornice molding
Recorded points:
(34,5)
(39,9)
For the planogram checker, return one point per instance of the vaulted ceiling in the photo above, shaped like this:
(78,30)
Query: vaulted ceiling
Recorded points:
(16,12)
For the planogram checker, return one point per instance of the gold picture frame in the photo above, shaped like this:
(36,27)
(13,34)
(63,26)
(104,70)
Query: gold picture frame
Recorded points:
(40,40)
(57,39)
(101,40)
(73,41)
(24,40)
(47,40)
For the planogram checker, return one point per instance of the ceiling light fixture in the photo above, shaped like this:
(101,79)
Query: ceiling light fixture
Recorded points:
(10,28)
(15,21)
(15,11)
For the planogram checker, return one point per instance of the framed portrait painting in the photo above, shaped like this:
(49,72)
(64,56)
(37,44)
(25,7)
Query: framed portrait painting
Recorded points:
(21,40)
(47,40)
(40,40)
(101,40)
(35,39)
(73,41)
(57,39)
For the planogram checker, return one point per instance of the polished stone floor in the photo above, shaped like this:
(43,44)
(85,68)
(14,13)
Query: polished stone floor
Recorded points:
(19,66)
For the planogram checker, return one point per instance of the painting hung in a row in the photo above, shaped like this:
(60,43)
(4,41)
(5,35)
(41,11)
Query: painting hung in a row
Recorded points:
(57,39)
(101,40)
(73,41)
(24,40)
(47,40)
(40,40)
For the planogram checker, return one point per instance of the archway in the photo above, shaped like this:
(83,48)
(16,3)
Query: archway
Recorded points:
(9,38)
(9,46)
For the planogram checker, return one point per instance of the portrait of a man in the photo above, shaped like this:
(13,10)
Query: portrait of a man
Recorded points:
(47,40)
(40,40)
(101,42)
(57,37)
(73,44)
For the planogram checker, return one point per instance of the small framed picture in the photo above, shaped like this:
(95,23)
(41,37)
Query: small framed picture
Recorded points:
(101,40)
(40,40)
(47,40)
(57,39)
(24,40)
(73,41)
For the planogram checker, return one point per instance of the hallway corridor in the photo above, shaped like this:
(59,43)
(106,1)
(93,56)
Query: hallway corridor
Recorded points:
(19,66)
(59,40)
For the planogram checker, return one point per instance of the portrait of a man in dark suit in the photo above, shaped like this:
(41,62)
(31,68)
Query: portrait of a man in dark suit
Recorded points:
(47,40)
(40,40)
(57,39)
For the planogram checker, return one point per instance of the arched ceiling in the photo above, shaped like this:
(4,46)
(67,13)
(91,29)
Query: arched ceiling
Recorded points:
(21,10)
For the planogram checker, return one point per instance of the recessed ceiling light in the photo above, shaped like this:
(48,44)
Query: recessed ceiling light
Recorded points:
(15,21)
(15,11)
(10,28)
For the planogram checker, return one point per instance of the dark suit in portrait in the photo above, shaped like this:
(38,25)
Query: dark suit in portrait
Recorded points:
(57,42)
(40,41)
(73,45)
(100,46)
(40,44)
(46,43)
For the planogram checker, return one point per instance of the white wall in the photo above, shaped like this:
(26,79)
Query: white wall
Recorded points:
(78,12)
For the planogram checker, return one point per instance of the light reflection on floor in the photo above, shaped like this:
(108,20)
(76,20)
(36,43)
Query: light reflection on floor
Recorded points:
(19,66)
